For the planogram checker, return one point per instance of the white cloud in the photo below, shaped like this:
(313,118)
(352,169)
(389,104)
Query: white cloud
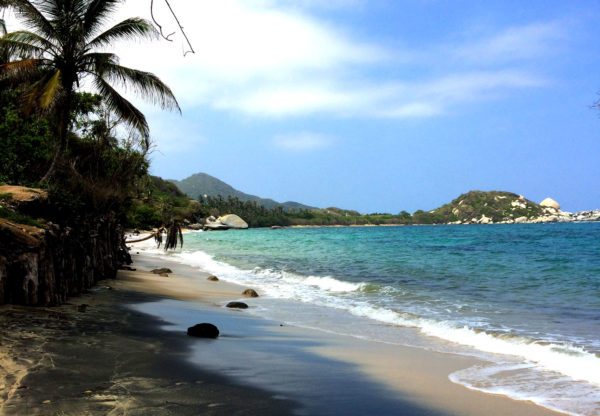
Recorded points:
(265,59)
(302,142)
(427,98)
(514,43)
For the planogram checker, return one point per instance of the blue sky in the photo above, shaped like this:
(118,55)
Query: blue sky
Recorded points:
(381,105)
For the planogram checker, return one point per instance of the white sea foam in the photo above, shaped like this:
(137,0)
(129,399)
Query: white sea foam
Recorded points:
(545,373)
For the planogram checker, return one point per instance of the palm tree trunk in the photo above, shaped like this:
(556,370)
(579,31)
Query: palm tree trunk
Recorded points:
(62,122)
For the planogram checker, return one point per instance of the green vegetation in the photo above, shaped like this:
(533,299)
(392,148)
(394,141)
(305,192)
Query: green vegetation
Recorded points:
(156,202)
(200,184)
(499,206)
(467,208)
(88,150)
(63,45)
(257,215)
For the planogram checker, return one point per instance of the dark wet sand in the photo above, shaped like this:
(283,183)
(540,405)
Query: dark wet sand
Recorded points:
(111,360)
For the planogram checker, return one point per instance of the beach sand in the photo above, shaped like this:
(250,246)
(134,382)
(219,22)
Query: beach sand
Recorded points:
(128,354)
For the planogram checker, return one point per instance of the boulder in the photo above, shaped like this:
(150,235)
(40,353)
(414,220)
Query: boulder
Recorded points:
(250,293)
(162,270)
(215,226)
(195,226)
(550,203)
(237,305)
(233,221)
(203,330)
(485,220)
(213,278)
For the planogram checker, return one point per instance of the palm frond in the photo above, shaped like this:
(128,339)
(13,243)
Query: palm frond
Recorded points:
(32,17)
(2,26)
(50,91)
(145,84)
(32,39)
(122,107)
(42,94)
(12,48)
(23,70)
(97,13)
(127,29)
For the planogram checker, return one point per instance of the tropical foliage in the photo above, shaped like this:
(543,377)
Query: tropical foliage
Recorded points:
(62,49)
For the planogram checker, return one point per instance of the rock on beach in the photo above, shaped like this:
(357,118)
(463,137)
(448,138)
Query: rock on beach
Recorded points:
(203,330)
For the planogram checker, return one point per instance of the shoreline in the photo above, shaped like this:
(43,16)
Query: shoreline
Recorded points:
(388,377)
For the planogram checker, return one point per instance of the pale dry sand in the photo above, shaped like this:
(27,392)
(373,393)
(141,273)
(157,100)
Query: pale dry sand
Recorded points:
(417,374)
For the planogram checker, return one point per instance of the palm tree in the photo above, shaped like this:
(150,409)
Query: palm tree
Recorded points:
(62,47)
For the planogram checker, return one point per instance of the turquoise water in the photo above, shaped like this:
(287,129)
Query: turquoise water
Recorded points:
(524,297)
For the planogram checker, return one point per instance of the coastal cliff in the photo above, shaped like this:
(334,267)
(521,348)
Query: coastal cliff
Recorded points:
(43,263)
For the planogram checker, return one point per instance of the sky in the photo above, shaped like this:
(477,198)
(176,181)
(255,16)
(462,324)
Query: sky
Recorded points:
(380,105)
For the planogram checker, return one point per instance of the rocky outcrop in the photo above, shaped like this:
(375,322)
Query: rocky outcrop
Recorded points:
(44,266)
(45,263)
(225,222)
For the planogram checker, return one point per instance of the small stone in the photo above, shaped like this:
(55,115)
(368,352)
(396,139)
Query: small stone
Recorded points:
(251,293)
(46,402)
(161,270)
(88,392)
(203,330)
(213,278)
(237,305)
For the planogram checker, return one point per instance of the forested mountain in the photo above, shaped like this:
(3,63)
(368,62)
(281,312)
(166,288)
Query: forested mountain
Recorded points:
(201,184)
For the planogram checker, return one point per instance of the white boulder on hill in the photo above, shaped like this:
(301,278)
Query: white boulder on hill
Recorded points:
(550,203)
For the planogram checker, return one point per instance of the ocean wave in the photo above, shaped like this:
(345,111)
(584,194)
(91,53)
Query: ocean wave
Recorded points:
(561,363)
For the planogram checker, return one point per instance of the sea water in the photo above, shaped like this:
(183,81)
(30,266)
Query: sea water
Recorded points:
(526,298)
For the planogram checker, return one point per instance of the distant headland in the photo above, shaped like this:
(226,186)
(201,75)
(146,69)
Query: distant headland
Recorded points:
(217,198)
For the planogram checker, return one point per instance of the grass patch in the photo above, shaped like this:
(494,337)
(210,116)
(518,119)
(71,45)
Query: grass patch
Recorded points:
(19,218)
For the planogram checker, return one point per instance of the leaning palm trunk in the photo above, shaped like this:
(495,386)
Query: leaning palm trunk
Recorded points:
(174,236)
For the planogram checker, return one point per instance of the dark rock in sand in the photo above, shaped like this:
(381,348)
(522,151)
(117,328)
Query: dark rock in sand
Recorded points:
(162,270)
(251,293)
(237,305)
(213,278)
(203,330)
(163,275)
(83,307)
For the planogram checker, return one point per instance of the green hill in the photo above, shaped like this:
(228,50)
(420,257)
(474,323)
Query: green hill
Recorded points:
(475,205)
(204,184)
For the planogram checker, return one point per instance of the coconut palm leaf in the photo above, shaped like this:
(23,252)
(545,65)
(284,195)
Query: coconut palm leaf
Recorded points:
(32,17)
(97,13)
(32,39)
(145,84)
(15,48)
(132,28)
(122,107)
